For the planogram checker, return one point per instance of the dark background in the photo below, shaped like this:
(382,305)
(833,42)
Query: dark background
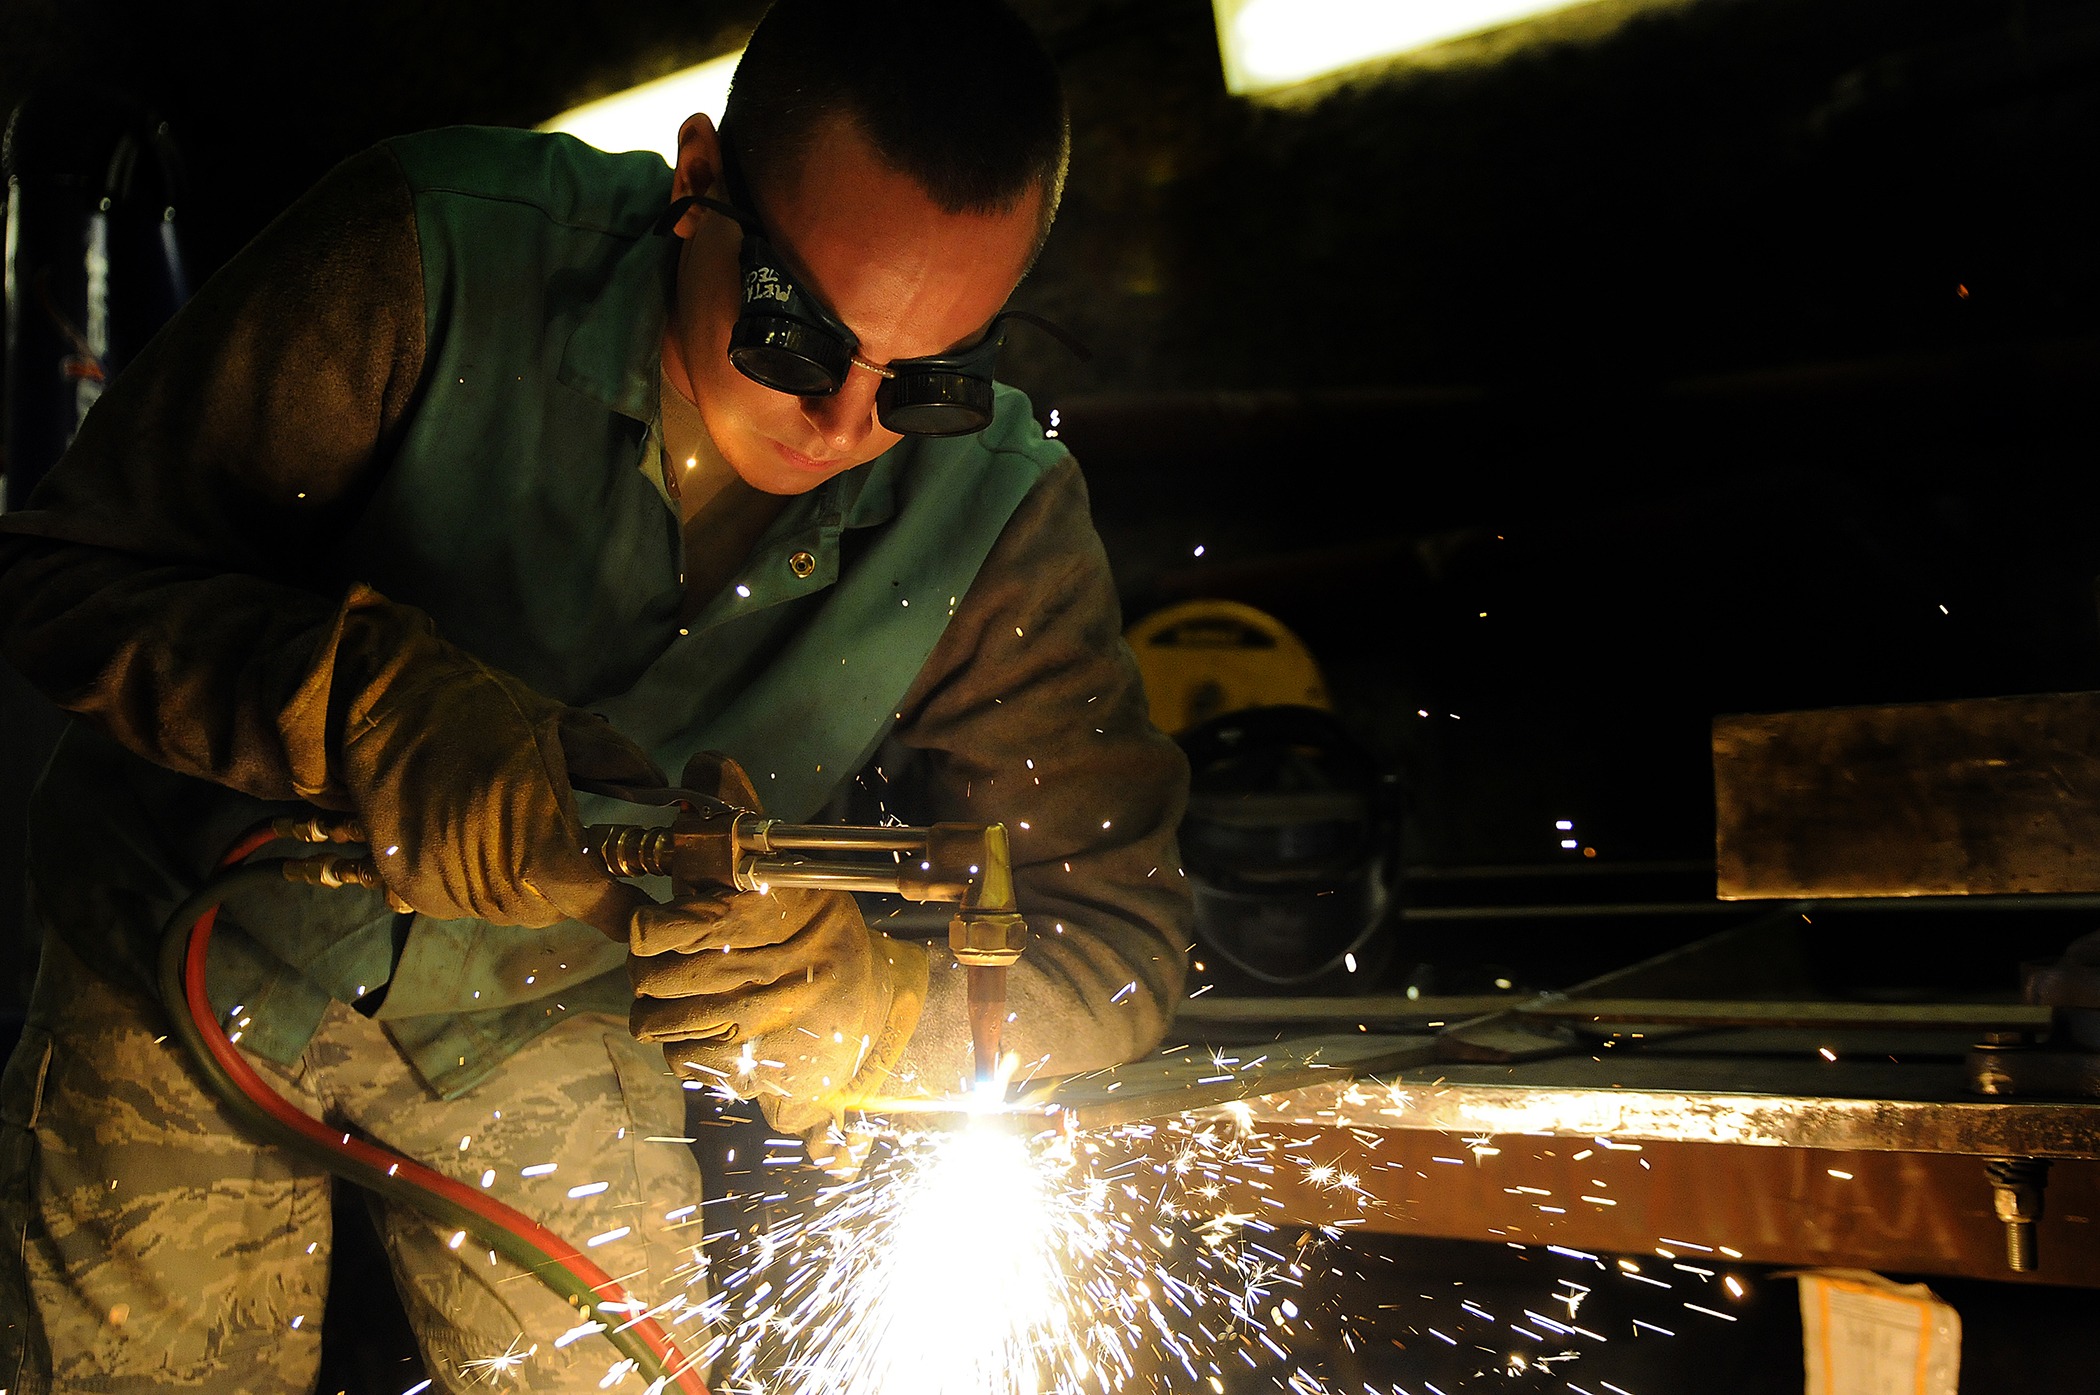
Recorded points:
(1729,354)
(1710,348)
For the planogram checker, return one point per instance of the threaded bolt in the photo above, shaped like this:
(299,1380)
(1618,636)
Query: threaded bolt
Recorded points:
(2016,1197)
(2020,1255)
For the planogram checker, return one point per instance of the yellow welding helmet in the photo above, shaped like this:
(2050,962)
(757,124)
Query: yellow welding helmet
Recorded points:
(1201,659)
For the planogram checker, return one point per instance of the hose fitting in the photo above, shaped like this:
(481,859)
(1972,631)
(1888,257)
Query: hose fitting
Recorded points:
(333,870)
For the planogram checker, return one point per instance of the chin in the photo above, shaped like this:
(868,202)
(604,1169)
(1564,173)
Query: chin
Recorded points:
(778,469)
(765,472)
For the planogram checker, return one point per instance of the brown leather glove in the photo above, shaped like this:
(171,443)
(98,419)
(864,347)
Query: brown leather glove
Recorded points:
(784,996)
(460,774)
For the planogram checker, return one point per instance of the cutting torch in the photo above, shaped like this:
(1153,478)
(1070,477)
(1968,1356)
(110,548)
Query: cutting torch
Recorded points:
(712,845)
(715,845)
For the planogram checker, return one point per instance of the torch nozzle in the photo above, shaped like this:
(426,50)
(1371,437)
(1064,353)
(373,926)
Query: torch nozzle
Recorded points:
(987,994)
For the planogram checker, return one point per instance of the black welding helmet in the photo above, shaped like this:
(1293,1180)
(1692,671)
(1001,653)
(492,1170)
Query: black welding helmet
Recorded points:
(1291,843)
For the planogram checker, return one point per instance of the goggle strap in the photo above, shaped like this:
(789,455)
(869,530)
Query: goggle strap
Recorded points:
(1062,336)
(671,215)
(678,208)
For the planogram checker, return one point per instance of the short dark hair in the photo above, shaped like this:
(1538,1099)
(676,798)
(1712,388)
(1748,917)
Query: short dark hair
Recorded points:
(960,95)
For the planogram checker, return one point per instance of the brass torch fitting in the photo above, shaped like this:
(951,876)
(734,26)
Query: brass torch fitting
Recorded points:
(631,850)
(318,827)
(333,870)
(987,931)
(700,849)
(987,940)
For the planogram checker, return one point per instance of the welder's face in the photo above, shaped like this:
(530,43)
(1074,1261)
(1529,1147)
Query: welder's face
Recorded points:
(907,278)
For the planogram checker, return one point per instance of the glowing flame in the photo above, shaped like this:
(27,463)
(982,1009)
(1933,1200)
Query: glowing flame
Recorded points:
(970,1255)
(976,1260)
(960,1284)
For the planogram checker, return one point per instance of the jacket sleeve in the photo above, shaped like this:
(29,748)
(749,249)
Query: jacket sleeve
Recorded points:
(169,580)
(1030,712)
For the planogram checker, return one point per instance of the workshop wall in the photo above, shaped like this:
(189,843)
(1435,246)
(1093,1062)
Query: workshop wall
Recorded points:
(1561,390)
(1714,357)
(1673,359)
(1666,189)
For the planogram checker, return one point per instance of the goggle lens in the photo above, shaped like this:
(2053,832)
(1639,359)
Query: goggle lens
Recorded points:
(786,340)
(787,354)
(934,402)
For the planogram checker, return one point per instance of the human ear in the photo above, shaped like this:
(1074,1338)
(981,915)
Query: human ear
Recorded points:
(694,172)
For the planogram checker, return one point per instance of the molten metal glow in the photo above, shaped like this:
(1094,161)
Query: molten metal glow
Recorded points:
(955,1285)
(969,1256)
(974,1261)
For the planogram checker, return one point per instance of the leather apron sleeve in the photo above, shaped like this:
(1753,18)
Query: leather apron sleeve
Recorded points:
(170,579)
(1031,713)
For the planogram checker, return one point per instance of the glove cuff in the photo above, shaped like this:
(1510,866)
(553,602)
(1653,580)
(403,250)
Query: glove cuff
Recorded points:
(310,720)
(907,969)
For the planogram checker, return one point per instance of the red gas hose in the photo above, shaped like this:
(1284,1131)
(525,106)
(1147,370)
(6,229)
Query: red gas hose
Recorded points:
(556,1262)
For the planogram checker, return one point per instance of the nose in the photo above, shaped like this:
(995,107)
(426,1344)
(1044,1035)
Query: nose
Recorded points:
(845,418)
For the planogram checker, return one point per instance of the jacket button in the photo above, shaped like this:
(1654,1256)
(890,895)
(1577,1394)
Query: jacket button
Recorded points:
(802,565)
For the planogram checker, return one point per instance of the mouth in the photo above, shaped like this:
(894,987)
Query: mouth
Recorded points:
(797,460)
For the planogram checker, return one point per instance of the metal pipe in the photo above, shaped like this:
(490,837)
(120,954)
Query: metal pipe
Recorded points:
(759,873)
(1561,912)
(767,836)
(2021,1019)
(2052,901)
(968,864)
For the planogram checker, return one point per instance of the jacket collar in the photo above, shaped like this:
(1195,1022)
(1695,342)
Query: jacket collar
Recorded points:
(616,350)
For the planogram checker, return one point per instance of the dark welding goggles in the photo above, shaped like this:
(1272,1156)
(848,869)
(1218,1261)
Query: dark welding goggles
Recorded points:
(788,340)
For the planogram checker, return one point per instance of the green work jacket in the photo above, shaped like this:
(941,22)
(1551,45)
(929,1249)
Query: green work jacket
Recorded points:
(517,507)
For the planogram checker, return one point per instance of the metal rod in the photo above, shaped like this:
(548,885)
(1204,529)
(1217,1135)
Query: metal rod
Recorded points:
(2053,901)
(1433,1096)
(803,872)
(1690,1012)
(1928,1017)
(1631,908)
(781,837)
(1493,872)
(1375,1008)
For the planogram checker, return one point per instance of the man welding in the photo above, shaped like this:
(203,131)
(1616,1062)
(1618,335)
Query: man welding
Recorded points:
(498,466)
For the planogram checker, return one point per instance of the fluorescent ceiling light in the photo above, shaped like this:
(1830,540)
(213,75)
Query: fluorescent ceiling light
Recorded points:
(648,117)
(1269,44)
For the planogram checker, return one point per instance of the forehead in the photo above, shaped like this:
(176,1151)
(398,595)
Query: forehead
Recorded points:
(908,278)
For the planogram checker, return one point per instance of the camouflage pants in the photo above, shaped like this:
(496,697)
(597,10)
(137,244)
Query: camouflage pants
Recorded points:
(149,1245)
